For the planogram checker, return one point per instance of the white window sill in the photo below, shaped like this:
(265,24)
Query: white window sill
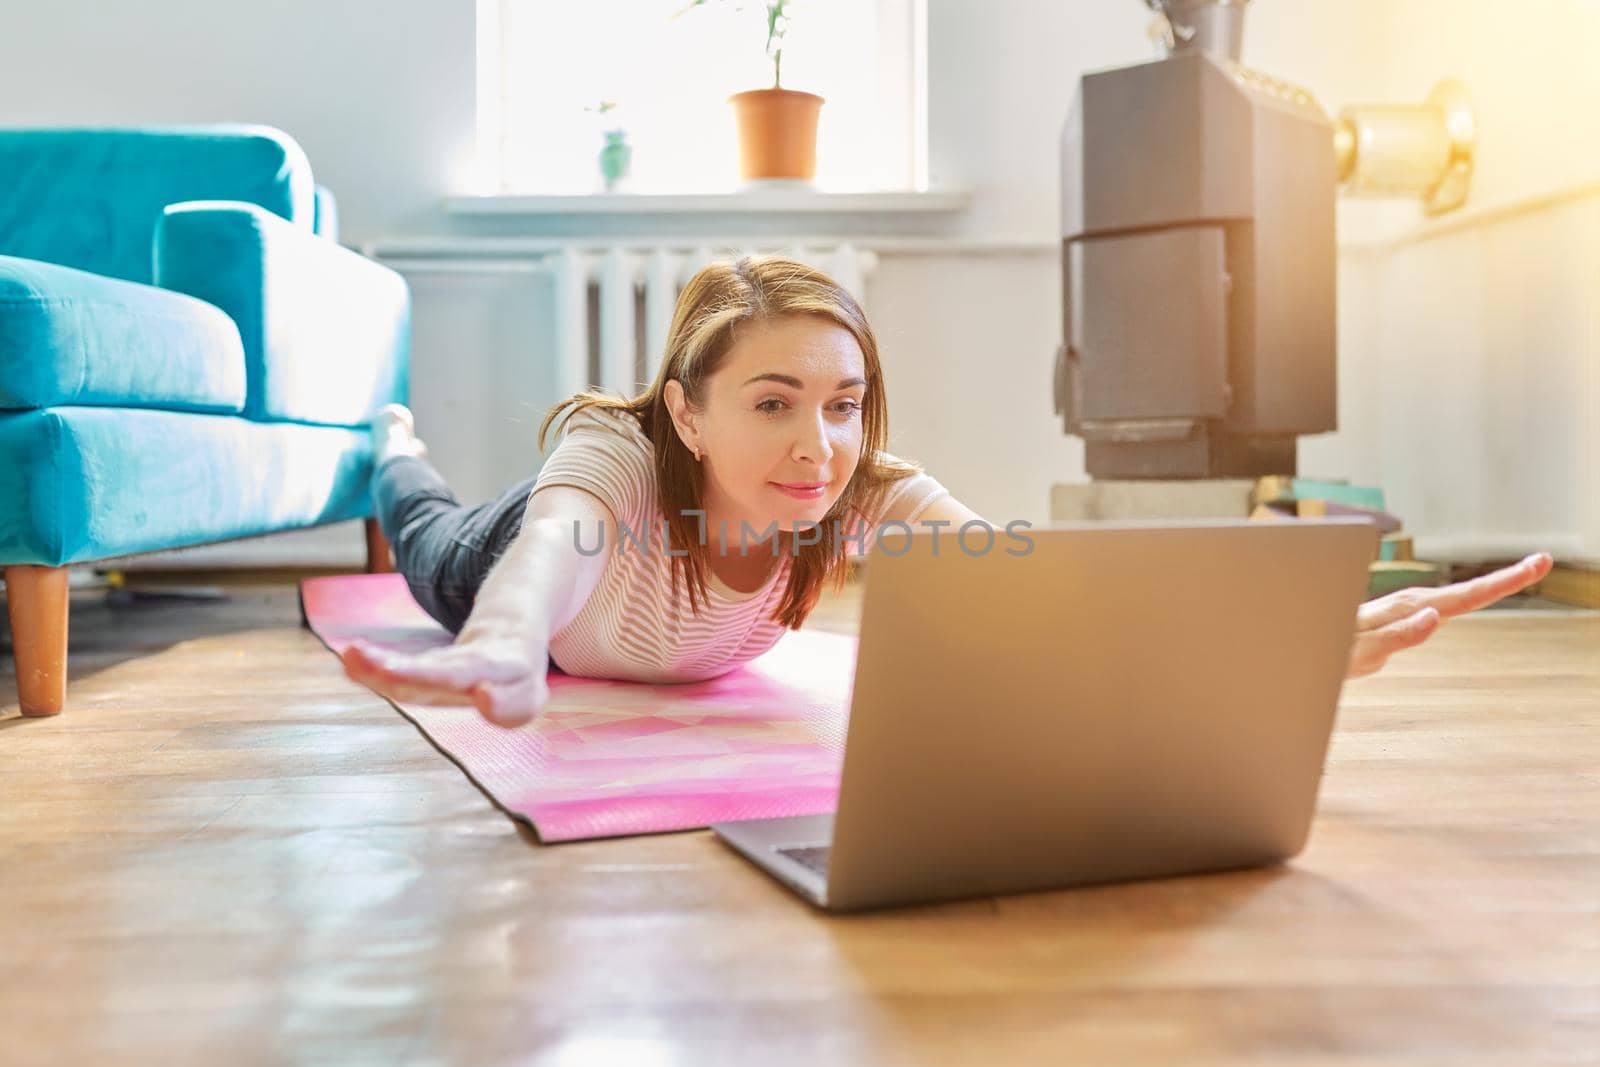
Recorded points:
(753,202)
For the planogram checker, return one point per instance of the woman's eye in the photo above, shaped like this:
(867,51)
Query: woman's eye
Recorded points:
(773,405)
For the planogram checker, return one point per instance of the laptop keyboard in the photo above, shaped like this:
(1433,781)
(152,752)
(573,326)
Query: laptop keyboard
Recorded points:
(811,857)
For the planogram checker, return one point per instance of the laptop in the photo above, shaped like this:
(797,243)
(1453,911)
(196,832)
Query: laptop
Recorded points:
(1081,703)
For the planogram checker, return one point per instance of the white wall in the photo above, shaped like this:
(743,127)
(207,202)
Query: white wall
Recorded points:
(381,96)
(1471,353)
(379,93)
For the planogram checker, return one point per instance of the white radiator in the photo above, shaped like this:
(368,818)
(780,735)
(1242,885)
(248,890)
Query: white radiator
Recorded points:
(613,306)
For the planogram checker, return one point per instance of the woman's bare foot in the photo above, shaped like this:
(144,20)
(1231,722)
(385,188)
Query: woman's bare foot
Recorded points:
(394,434)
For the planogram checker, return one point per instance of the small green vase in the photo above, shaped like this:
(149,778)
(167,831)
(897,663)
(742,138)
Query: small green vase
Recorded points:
(615,157)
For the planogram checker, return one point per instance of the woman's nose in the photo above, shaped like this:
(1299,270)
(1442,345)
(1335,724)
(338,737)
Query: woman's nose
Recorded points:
(813,446)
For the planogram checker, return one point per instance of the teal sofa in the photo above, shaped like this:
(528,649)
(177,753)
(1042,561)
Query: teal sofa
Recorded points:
(187,355)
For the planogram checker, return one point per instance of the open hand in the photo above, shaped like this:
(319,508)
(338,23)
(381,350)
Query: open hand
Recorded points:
(504,678)
(1408,617)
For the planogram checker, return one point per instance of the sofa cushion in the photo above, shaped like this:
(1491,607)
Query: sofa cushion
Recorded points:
(81,483)
(70,337)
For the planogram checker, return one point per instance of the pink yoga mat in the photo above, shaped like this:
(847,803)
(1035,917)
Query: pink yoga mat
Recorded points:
(609,758)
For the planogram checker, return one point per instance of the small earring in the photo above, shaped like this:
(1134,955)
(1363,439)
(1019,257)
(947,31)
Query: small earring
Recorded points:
(697,455)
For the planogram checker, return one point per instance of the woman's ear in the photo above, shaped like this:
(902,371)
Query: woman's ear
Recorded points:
(683,419)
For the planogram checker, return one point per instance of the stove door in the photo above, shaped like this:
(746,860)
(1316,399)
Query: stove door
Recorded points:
(1151,329)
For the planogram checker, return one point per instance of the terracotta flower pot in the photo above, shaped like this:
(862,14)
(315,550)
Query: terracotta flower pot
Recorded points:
(777,133)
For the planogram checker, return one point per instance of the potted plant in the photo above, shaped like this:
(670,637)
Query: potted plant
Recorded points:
(777,126)
(617,154)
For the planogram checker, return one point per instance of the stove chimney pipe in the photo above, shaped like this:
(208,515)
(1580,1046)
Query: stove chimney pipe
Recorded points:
(1212,26)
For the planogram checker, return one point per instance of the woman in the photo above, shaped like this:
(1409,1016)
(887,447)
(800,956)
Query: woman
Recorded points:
(759,451)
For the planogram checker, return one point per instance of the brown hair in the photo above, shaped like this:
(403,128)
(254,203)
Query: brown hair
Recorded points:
(719,298)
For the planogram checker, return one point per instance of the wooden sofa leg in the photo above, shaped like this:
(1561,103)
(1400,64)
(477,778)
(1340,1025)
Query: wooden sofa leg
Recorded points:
(37,601)
(378,559)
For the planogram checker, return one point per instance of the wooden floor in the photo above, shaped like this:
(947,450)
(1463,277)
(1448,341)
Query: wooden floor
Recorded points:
(225,852)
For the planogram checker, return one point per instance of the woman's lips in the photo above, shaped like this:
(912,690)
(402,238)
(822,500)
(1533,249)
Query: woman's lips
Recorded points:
(799,493)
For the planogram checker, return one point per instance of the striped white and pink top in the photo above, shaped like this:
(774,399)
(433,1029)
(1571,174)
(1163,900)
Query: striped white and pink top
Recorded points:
(633,626)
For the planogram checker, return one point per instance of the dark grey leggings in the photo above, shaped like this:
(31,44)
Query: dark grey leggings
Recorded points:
(442,547)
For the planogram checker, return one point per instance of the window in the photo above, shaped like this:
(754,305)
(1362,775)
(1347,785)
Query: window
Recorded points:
(544,67)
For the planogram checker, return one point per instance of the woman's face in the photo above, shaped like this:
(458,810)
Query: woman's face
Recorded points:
(783,410)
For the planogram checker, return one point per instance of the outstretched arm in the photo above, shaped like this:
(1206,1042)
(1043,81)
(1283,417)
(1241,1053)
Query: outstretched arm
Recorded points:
(1400,620)
(498,662)
(1408,617)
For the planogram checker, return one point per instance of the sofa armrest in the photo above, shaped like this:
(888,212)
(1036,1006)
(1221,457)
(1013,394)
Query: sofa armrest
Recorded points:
(68,337)
(326,332)
(325,221)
